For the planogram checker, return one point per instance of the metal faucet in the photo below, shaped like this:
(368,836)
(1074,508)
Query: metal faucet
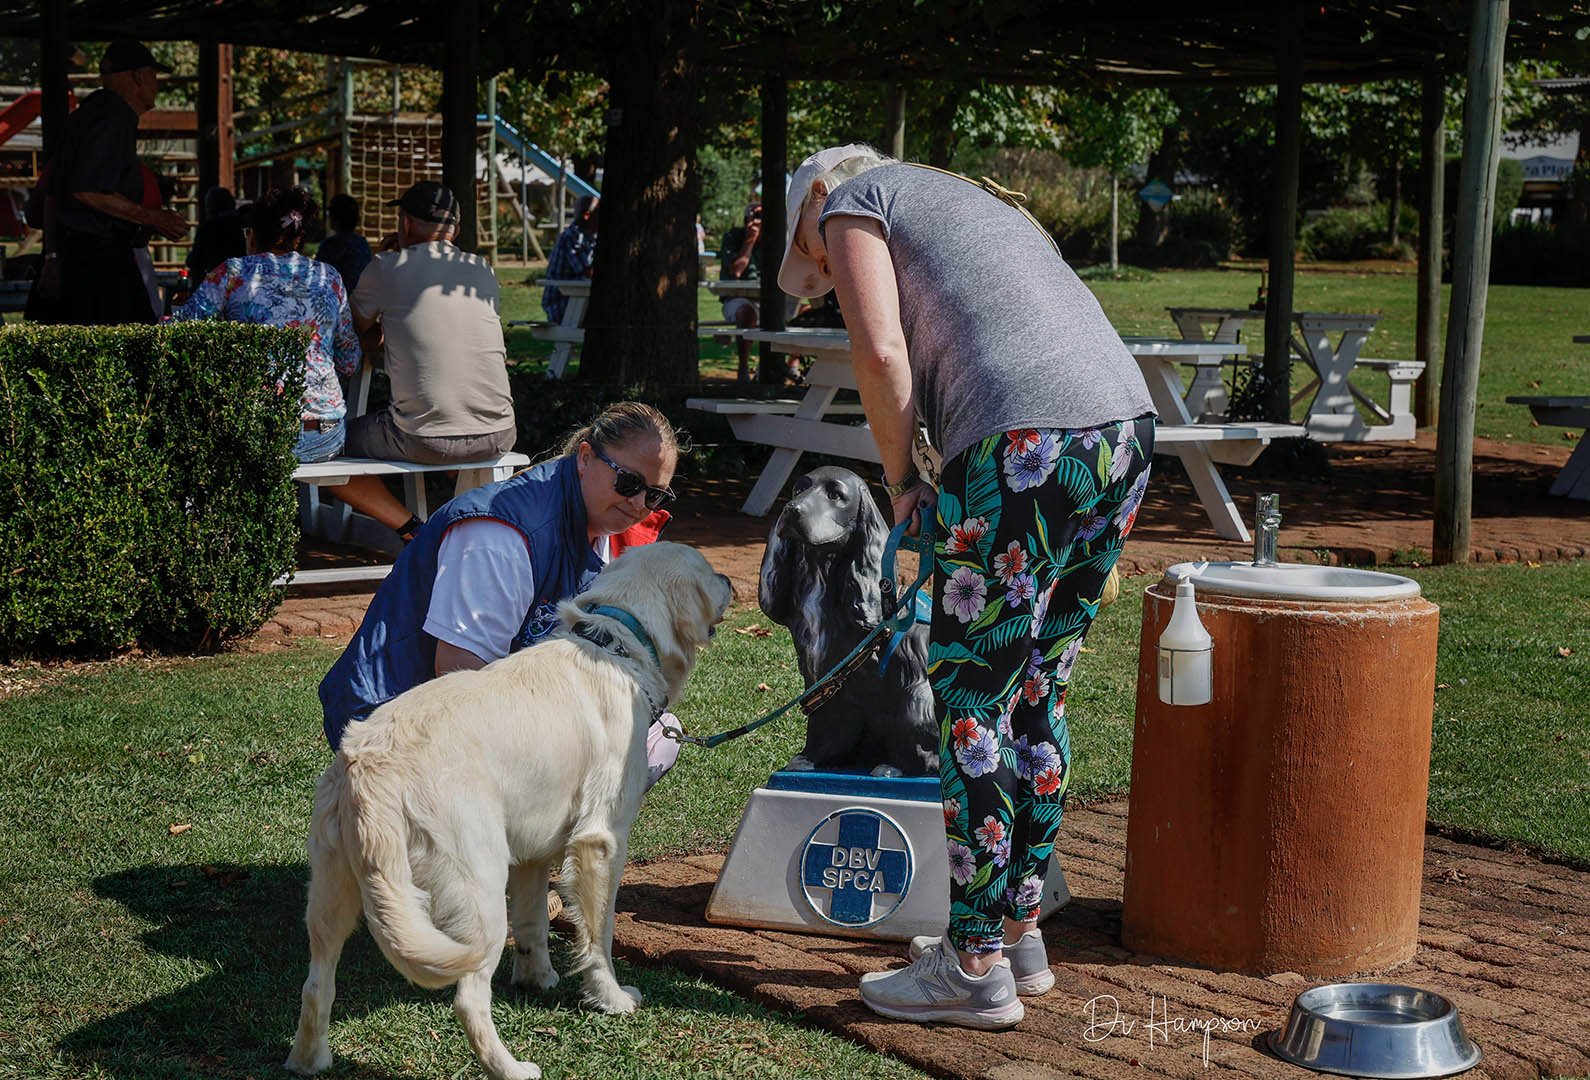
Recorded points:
(1266,523)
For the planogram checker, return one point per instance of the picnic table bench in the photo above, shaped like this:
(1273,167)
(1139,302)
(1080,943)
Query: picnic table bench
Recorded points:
(1569,412)
(337,521)
(794,427)
(1332,414)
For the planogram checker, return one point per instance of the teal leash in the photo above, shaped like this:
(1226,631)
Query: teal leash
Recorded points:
(898,615)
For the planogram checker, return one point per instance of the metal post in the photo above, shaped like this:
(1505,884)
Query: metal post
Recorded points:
(397,89)
(491,163)
(1471,264)
(524,195)
(345,130)
(1432,151)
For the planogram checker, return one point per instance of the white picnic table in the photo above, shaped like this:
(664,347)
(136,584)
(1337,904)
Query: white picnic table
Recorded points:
(1332,414)
(747,288)
(794,427)
(567,331)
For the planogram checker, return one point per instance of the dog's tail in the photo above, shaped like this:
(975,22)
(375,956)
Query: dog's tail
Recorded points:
(377,836)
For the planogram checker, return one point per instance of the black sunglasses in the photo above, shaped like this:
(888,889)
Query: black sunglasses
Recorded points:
(629,484)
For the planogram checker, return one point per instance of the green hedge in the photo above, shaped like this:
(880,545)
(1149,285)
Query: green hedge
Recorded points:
(147,474)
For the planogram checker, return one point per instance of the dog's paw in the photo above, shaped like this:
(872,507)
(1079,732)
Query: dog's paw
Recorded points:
(887,770)
(529,974)
(309,1062)
(800,763)
(619,1000)
(523,1070)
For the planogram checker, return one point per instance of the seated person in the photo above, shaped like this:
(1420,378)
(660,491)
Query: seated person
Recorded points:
(219,236)
(345,248)
(433,309)
(573,255)
(741,255)
(485,575)
(277,285)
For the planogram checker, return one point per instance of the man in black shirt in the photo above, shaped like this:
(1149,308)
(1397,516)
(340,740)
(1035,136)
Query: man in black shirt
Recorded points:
(99,191)
(741,255)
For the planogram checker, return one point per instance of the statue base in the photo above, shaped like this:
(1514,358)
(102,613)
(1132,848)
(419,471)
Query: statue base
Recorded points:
(845,854)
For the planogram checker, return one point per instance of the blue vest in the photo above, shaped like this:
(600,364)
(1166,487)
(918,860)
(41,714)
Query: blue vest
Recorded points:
(392,652)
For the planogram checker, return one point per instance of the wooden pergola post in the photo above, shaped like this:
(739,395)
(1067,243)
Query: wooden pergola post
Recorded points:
(1471,264)
(1283,213)
(775,159)
(52,71)
(216,147)
(1432,153)
(462,58)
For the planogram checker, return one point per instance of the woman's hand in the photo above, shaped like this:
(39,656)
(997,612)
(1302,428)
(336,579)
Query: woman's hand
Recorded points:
(910,506)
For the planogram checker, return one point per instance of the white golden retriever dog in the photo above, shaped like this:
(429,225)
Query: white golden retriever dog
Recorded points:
(481,781)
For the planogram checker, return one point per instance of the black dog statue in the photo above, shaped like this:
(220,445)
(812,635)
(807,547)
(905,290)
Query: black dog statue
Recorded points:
(820,577)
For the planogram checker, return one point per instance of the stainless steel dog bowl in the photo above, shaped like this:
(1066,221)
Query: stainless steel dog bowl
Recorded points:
(1377,1030)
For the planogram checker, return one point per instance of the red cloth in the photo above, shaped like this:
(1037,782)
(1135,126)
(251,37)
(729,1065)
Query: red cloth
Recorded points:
(642,532)
(151,199)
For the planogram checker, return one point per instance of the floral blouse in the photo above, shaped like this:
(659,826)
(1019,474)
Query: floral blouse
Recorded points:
(288,290)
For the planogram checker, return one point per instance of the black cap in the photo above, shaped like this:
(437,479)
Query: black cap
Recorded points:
(429,201)
(125,54)
(753,211)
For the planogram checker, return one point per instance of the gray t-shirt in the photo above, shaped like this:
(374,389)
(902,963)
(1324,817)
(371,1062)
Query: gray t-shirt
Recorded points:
(1002,334)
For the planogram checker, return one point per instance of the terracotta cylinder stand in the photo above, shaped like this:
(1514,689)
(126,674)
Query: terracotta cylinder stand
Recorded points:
(1281,826)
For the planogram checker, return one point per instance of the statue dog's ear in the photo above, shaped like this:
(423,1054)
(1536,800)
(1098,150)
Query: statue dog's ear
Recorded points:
(863,559)
(781,564)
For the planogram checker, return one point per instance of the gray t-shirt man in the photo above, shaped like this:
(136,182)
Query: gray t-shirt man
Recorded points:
(1001,333)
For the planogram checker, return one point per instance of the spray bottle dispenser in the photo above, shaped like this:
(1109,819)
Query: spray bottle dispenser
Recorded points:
(1186,653)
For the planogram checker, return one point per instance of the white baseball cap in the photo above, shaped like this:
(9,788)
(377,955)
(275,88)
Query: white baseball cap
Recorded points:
(797,274)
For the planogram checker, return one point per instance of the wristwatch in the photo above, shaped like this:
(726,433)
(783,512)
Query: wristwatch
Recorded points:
(907,482)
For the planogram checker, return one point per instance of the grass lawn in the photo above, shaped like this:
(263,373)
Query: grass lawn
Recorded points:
(1528,345)
(130,950)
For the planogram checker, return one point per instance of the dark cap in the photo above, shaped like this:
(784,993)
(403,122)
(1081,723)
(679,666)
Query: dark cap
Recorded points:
(125,54)
(429,201)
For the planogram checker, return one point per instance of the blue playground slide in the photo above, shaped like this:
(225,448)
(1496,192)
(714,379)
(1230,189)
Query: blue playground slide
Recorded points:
(539,157)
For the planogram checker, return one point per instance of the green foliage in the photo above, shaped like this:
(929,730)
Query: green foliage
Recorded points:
(1115,130)
(1203,231)
(727,179)
(148,481)
(1341,234)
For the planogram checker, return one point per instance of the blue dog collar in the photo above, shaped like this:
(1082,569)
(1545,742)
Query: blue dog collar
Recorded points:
(631,624)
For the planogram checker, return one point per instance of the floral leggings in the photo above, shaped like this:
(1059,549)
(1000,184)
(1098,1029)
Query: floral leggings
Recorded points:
(1032,521)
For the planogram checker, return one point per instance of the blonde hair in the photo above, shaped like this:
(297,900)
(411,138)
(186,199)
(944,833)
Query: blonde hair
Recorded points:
(866,158)
(621,423)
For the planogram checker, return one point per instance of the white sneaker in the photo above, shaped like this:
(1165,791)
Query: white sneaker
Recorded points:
(1029,961)
(934,987)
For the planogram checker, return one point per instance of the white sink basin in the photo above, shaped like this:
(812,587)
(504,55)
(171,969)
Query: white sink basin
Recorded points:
(1294,581)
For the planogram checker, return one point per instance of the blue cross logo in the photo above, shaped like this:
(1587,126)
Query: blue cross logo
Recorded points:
(860,872)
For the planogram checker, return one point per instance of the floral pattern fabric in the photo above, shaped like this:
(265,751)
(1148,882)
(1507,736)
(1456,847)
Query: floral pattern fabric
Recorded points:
(1032,521)
(293,291)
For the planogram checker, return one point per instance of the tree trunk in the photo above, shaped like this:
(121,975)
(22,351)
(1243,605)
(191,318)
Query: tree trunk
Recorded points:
(775,160)
(941,126)
(1394,214)
(459,100)
(1432,152)
(641,325)
(1115,222)
(1153,225)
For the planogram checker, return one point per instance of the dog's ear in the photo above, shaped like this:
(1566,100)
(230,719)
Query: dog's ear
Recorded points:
(863,559)
(781,563)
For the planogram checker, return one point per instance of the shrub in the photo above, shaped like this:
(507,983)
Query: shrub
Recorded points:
(1341,234)
(149,480)
(1203,231)
(1538,254)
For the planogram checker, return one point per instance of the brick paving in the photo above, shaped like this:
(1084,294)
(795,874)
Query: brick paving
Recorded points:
(1504,935)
